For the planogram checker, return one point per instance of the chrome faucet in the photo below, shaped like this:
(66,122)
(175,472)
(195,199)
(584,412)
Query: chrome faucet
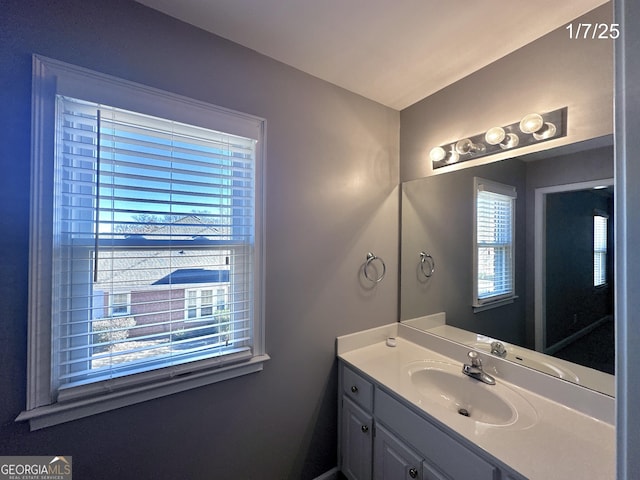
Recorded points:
(474,370)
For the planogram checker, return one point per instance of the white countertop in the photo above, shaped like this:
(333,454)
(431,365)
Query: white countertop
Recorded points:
(562,444)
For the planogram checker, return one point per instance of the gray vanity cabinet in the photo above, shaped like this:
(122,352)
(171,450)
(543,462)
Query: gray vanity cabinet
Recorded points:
(383,438)
(392,459)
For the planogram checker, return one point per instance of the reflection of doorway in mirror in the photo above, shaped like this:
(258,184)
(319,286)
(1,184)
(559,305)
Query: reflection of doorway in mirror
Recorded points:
(574,273)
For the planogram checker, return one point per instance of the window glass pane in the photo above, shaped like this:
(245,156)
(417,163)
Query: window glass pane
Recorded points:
(599,250)
(207,303)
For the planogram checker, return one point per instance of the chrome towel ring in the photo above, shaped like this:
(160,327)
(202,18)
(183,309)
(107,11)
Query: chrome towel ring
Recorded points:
(427,259)
(370,259)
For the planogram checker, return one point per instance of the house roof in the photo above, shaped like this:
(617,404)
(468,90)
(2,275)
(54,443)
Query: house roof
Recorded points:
(132,261)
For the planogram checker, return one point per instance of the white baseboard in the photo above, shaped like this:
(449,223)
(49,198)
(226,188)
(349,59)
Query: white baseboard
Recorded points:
(330,475)
(572,338)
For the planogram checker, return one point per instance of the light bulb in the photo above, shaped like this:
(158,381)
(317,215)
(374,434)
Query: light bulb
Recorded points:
(511,141)
(498,136)
(531,123)
(437,154)
(548,130)
(494,135)
(453,157)
(466,146)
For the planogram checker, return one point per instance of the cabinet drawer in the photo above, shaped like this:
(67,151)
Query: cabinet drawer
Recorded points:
(452,458)
(357,388)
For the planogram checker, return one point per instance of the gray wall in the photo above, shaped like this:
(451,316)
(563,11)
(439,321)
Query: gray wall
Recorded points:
(549,73)
(332,176)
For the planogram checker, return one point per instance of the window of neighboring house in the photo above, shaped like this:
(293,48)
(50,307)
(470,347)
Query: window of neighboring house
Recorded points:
(149,192)
(600,226)
(120,304)
(192,304)
(200,304)
(494,231)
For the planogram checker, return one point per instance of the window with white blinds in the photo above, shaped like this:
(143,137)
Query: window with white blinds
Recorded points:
(147,208)
(600,224)
(494,242)
(146,276)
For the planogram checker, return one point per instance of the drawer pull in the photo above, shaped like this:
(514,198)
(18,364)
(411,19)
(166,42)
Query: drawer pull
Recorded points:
(364,428)
(413,473)
(354,389)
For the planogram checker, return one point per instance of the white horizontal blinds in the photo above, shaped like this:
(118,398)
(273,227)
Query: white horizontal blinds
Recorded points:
(495,214)
(599,250)
(154,237)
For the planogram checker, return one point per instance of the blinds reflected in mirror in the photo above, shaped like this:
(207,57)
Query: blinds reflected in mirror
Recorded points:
(494,241)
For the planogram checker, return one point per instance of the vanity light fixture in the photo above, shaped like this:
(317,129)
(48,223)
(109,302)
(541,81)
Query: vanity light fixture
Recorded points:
(532,129)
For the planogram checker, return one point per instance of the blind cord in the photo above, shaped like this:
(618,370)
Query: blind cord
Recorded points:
(97,221)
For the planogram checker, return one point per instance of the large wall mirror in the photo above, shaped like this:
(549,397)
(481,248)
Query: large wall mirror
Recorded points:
(561,320)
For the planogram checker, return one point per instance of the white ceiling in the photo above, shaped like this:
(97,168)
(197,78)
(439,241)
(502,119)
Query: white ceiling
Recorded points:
(395,52)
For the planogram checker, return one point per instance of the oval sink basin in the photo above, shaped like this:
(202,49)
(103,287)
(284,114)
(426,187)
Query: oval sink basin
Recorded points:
(444,386)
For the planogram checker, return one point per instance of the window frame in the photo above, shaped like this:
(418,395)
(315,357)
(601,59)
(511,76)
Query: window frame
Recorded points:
(51,78)
(493,301)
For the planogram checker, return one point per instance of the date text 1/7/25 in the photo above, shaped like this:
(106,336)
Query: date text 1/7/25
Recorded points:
(593,31)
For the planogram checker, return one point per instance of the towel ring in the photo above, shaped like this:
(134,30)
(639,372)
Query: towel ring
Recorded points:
(370,259)
(427,259)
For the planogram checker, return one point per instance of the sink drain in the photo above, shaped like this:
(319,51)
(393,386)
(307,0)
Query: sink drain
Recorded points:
(464,412)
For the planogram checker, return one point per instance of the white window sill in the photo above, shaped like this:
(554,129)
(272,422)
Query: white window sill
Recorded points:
(498,303)
(57,413)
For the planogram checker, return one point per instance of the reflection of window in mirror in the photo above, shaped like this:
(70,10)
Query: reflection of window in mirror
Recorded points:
(600,223)
(494,232)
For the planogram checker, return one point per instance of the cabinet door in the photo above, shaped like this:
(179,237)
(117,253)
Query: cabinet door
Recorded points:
(356,441)
(393,460)
(430,473)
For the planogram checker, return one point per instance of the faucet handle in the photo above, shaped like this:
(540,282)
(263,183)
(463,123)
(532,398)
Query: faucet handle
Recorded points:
(498,349)
(475,360)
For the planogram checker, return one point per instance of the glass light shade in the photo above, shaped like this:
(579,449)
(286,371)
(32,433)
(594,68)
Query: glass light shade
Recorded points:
(531,123)
(437,154)
(495,135)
